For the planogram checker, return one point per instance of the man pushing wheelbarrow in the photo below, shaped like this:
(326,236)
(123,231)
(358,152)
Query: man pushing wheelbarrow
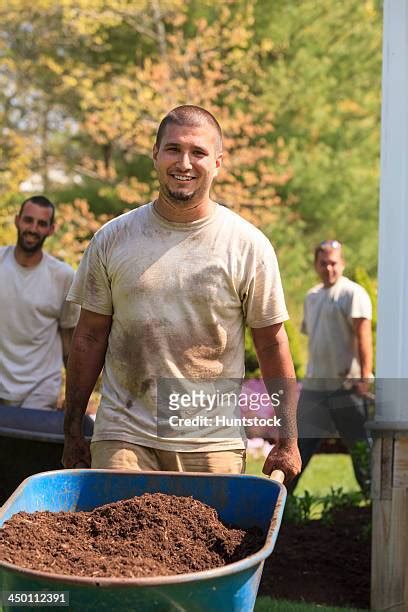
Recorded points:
(165,292)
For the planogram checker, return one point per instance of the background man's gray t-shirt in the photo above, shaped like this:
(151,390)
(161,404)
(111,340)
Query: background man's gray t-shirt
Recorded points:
(180,294)
(33,308)
(328,322)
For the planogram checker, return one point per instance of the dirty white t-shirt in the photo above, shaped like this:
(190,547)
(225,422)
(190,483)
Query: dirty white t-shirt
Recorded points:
(33,308)
(180,294)
(328,322)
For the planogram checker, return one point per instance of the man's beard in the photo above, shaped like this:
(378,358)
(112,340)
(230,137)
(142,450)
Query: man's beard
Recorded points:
(179,196)
(29,248)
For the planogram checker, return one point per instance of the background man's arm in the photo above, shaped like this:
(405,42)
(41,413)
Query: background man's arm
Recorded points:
(66,338)
(275,362)
(362,332)
(85,362)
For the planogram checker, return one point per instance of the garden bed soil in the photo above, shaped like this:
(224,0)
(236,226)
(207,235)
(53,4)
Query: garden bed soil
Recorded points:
(322,564)
(151,535)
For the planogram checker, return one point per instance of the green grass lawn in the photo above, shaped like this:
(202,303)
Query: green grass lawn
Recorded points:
(322,473)
(266,604)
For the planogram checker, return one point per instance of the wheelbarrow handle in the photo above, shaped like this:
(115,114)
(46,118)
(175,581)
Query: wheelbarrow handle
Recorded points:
(278,475)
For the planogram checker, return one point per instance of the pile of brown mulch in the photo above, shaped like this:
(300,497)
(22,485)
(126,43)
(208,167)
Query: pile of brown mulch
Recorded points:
(325,564)
(151,535)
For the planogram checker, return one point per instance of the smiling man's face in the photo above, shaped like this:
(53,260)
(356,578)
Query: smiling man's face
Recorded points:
(329,266)
(186,162)
(33,225)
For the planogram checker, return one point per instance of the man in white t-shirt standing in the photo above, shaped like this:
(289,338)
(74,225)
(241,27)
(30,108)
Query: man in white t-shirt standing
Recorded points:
(36,322)
(337,320)
(166,291)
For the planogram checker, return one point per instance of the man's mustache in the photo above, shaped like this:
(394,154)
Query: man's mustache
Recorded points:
(30,234)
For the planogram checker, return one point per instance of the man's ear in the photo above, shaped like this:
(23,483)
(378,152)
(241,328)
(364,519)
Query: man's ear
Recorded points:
(155,152)
(218,164)
(16,220)
(52,229)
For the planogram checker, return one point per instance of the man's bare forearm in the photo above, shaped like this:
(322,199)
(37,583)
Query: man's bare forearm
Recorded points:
(281,382)
(362,331)
(365,348)
(66,338)
(275,361)
(279,376)
(85,363)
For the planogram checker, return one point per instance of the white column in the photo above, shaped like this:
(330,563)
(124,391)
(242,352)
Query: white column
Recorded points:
(392,331)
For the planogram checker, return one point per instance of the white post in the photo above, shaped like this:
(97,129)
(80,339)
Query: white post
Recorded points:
(392,330)
(389,568)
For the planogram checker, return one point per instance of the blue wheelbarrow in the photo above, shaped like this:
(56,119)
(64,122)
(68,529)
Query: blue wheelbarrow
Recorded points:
(241,500)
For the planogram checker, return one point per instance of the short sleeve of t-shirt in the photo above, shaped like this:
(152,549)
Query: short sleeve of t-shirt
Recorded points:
(265,303)
(91,287)
(361,304)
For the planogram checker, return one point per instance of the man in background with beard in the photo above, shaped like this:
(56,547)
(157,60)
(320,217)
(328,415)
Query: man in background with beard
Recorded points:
(36,323)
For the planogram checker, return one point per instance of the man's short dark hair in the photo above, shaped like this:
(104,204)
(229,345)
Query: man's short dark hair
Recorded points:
(40,200)
(326,246)
(192,116)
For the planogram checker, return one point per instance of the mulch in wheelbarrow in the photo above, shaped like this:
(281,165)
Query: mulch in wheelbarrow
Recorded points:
(151,535)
